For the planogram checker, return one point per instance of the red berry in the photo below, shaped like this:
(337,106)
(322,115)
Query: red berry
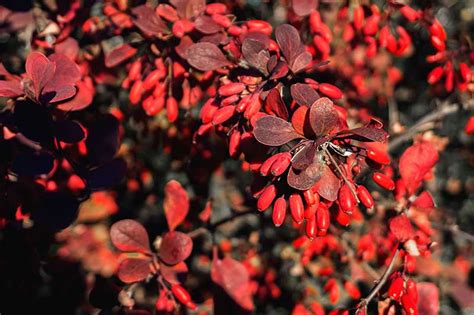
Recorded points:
(279,211)
(378,156)
(383,181)
(266,198)
(365,197)
(396,288)
(330,90)
(347,201)
(296,207)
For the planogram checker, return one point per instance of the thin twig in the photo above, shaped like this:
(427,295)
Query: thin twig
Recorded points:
(365,302)
(425,123)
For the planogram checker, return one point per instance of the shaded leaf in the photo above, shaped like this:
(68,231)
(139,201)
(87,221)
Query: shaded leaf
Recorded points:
(32,164)
(415,163)
(176,204)
(304,157)
(183,46)
(303,94)
(69,131)
(276,105)
(119,54)
(57,211)
(106,175)
(33,121)
(129,236)
(274,131)
(233,278)
(40,70)
(67,72)
(279,71)
(206,57)
(175,247)
(103,139)
(323,116)
(401,228)
(133,269)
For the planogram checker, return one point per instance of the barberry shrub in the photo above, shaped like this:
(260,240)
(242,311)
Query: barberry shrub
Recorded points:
(236,157)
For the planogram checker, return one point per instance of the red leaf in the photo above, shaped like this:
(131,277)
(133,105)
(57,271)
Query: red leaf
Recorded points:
(276,105)
(82,99)
(206,57)
(415,163)
(428,298)
(189,8)
(274,131)
(40,70)
(176,204)
(119,54)
(424,201)
(323,116)
(130,236)
(133,270)
(67,72)
(175,247)
(174,274)
(401,227)
(10,88)
(206,25)
(304,94)
(303,7)
(233,278)
(148,21)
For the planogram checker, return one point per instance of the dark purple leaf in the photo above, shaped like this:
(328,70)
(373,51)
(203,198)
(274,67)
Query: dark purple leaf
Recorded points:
(276,105)
(175,247)
(233,278)
(206,57)
(10,88)
(323,116)
(119,54)
(32,164)
(216,39)
(69,131)
(304,157)
(301,61)
(148,21)
(290,43)
(40,70)
(306,178)
(189,8)
(206,25)
(33,121)
(365,134)
(130,236)
(106,175)
(256,54)
(279,71)
(133,269)
(274,131)
(328,185)
(304,94)
(103,139)
(303,7)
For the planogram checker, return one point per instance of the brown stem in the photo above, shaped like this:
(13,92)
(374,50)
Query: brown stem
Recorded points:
(365,302)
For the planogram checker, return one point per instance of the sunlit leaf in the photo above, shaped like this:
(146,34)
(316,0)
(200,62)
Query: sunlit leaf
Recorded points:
(176,204)
(274,131)
(130,236)
(175,247)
